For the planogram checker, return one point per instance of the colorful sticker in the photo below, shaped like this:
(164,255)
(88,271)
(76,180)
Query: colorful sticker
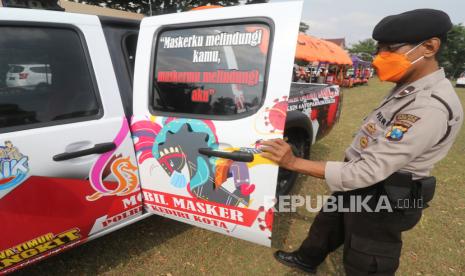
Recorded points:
(121,167)
(213,192)
(274,118)
(47,243)
(276,115)
(266,220)
(14,166)
(175,147)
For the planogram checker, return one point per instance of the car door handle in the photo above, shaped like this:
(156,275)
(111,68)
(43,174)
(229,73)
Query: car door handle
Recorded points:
(240,156)
(96,149)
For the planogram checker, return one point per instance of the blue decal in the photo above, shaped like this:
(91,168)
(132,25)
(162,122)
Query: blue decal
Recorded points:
(14,166)
(203,172)
(178,180)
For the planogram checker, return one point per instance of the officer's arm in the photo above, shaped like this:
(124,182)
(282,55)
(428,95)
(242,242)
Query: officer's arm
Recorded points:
(402,142)
(280,152)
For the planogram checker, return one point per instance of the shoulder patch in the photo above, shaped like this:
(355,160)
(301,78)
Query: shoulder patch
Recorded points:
(397,131)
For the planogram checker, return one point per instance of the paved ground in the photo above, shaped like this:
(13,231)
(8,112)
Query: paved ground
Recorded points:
(158,246)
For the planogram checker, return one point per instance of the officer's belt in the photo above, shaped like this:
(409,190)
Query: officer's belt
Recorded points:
(400,190)
(400,187)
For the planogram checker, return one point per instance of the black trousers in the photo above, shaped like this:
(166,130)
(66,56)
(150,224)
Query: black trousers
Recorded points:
(372,240)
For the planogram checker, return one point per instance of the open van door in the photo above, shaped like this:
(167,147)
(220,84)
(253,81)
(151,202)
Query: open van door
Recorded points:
(208,86)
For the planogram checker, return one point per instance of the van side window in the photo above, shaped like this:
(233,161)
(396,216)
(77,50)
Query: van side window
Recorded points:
(215,71)
(45,78)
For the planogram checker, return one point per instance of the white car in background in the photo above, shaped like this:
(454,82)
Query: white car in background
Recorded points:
(28,76)
(461,80)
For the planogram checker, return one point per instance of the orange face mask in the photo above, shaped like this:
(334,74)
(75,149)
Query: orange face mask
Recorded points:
(393,66)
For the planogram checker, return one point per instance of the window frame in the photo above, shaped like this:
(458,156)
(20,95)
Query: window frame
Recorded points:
(90,68)
(126,53)
(213,23)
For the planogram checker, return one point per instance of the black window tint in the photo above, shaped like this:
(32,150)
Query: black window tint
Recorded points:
(130,46)
(16,69)
(41,69)
(214,70)
(55,82)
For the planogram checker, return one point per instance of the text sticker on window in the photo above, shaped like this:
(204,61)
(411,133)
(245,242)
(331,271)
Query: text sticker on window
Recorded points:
(211,70)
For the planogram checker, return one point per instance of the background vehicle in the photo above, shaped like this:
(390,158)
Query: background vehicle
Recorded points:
(461,80)
(28,76)
(313,109)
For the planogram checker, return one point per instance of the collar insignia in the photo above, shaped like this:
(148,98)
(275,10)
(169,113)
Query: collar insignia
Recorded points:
(407,91)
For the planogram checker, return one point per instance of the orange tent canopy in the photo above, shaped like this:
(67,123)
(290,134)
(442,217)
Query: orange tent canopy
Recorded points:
(206,7)
(310,48)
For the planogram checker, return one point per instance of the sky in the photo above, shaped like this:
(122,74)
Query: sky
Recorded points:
(355,19)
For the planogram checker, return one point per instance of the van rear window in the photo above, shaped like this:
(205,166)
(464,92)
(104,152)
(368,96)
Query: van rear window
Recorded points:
(45,78)
(215,71)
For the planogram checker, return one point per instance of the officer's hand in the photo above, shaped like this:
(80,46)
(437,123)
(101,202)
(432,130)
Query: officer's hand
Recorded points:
(278,151)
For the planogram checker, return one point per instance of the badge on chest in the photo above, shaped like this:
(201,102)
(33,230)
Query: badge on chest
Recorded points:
(402,123)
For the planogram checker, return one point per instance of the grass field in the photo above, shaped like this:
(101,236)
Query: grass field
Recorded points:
(157,246)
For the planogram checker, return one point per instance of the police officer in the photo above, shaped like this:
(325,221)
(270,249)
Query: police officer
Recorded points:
(392,154)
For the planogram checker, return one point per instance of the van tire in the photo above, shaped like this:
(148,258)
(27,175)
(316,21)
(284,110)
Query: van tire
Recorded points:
(300,145)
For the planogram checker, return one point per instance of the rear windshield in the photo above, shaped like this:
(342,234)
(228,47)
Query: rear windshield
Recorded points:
(16,69)
(41,69)
(215,70)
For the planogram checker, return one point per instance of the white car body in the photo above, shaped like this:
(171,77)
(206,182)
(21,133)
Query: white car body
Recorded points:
(461,80)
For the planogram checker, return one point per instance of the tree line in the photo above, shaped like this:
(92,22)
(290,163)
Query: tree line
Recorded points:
(157,7)
(452,56)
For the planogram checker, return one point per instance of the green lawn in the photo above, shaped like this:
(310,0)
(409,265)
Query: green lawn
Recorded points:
(157,246)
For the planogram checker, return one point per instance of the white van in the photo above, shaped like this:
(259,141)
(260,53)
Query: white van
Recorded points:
(111,139)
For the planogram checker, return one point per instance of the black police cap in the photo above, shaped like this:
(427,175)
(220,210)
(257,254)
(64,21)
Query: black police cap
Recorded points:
(412,26)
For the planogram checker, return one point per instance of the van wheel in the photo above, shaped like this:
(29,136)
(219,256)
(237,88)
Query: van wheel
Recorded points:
(301,148)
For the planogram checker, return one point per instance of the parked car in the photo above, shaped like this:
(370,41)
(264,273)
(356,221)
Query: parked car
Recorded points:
(461,80)
(174,131)
(28,76)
